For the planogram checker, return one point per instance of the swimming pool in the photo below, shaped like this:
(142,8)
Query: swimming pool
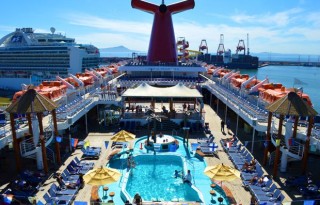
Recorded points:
(153,179)
(180,159)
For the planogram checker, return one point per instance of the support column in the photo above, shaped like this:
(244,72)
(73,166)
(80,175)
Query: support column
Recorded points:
(253,134)
(171,104)
(188,137)
(307,146)
(295,127)
(277,157)
(237,126)
(225,114)
(56,133)
(44,154)
(86,119)
(15,142)
(39,116)
(210,102)
(284,162)
(29,123)
(268,140)
(217,106)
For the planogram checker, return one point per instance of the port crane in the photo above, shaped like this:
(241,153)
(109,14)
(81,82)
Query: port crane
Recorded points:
(221,50)
(203,48)
(241,47)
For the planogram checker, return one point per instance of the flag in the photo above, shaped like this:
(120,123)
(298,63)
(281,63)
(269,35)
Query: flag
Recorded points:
(74,142)
(296,81)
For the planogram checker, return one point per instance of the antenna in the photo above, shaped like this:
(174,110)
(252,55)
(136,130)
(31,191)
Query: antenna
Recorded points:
(248,50)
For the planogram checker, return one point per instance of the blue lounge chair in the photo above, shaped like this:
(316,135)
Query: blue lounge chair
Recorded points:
(85,163)
(91,152)
(276,198)
(246,176)
(59,191)
(266,186)
(69,176)
(79,166)
(65,200)
(265,191)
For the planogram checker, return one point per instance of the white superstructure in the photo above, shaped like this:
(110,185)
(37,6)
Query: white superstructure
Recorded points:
(29,57)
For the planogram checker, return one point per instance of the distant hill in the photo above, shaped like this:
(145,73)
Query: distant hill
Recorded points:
(116,49)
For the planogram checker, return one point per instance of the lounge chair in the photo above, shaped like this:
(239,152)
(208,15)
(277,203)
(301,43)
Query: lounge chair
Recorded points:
(265,186)
(55,189)
(91,152)
(68,180)
(276,197)
(69,176)
(64,199)
(265,191)
(81,167)
(246,176)
(81,163)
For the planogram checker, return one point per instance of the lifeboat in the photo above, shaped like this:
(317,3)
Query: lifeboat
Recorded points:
(238,80)
(86,78)
(53,90)
(270,93)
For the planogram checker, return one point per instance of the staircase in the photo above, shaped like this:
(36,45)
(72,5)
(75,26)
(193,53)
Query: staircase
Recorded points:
(294,151)
(29,149)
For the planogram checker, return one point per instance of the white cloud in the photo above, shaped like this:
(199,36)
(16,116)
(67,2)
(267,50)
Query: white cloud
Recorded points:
(313,18)
(263,37)
(110,24)
(276,19)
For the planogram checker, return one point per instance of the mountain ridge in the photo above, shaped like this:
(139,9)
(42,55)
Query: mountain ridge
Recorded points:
(116,49)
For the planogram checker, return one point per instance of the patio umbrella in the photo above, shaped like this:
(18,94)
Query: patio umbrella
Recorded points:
(101,176)
(222,172)
(31,102)
(123,136)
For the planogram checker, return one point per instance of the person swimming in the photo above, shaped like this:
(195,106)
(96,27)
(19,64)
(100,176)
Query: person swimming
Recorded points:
(176,174)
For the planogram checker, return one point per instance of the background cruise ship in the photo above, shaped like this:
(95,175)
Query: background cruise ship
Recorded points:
(28,57)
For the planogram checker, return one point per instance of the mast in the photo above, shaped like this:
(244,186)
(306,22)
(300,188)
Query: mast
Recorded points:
(248,50)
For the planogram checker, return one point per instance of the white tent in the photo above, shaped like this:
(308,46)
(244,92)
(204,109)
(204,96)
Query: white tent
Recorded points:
(177,91)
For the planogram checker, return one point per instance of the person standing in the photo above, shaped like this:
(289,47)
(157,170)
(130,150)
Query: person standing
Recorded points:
(228,125)
(222,126)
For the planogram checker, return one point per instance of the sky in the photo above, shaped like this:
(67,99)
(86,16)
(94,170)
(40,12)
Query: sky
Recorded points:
(278,26)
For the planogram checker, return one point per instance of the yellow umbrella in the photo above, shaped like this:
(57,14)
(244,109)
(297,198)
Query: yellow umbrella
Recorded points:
(101,176)
(222,172)
(123,136)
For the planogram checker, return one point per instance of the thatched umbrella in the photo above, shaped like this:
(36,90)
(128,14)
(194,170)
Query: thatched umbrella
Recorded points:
(293,105)
(32,102)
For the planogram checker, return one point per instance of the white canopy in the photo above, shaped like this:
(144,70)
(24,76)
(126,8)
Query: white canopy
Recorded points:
(177,91)
(185,69)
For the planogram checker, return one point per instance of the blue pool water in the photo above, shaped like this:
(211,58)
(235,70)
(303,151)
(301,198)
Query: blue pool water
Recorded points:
(153,179)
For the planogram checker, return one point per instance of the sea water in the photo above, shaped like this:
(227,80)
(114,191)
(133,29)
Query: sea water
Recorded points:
(286,75)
